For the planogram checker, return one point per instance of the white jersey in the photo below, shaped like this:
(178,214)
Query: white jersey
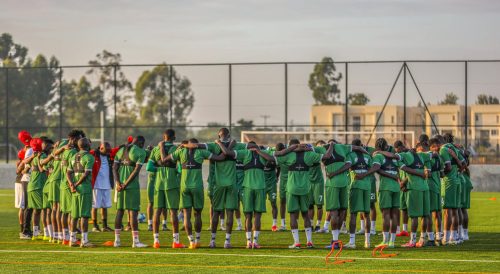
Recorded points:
(26,176)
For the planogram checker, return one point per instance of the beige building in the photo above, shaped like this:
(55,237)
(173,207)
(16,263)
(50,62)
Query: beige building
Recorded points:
(448,119)
(485,126)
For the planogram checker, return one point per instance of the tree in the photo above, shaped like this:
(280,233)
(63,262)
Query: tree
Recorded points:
(483,99)
(11,52)
(358,99)
(449,99)
(323,82)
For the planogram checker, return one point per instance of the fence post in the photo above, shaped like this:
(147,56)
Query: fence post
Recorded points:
(346,120)
(60,103)
(286,96)
(466,120)
(230,90)
(404,98)
(115,98)
(171,94)
(7,115)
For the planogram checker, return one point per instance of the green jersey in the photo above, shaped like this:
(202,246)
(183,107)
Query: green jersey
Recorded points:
(80,163)
(136,156)
(38,177)
(254,168)
(452,176)
(65,159)
(361,162)
(225,171)
(419,164)
(57,170)
(166,174)
(315,172)
(389,166)
(192,161)
(434,180)
(299,163)
(335,162)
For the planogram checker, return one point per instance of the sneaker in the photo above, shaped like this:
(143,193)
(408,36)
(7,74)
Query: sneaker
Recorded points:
(239,228)
(317,229)
(451,242)
(211,245)
(249,245)
(107,229)
(282,228)
(465,237)
(192,246)
(65,242)
(274,228)
(117,244)
(294,246)
(335,246)
(367,245)
(391,245)
(409,245)
(127,228)
(73,244)
(46,238)
(310,245)
(35,238)
(24,236)
(343,230)
(178,245)
(223,227)
(139,245)
(87,245)
(150,228)
(197,244)
(256,246)
(96,229)
(430,243)
(350,245)
(420,243)
(403,234)
(228,245)
(156,245)
(382,244)
(373,232)
(360,232)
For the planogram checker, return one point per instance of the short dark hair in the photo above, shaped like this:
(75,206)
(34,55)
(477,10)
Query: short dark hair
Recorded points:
(193,140)
(449,138)
(320,142)
(356,142)
(399,144)
(75,134)
(293,141)
(434,141)
(423,138)
(381,144)
(170,133)
(280,146)
(224,131)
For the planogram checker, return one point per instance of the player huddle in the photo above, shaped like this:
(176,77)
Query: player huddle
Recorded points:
(63,183)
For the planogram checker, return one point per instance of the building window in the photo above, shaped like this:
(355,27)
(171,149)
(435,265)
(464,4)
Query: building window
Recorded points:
(477,117)
(392,119)
(314,119)
(356,123)
(453,117)
(494,132)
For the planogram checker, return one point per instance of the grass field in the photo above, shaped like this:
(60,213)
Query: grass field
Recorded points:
(480,254)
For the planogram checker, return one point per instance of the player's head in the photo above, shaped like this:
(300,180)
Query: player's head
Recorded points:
(421,147)
(105,148)
(399,146)
(381,144)
(224,133)
(185,142)
(356,142)
(294,141)
(449,138)
(139,141)
(74,135)
(47,145)
(169,135)
(320,143)
(280,146)
(193,141)
(434,144)
(423,138)
(84,144)
(333,140)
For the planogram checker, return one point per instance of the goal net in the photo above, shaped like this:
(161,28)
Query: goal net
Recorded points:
(271,138)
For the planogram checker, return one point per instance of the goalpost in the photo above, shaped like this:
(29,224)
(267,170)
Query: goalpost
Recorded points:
(271,138)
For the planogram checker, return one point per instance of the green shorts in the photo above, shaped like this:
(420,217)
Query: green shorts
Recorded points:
(168,199)
(463,193)
(129,199)
(296,203)
(359,200)
(282,190)
(271,192)
(402,200)
(449,194)
(65,200)
(35,199)
(336,198)
(46,203)
(224,197)
(55,192)
(434,201)
(418,203)
(317,194)
(389,199)
(254,200)
(373,189)
(150,189)
(467,198)
(193,198)
(81,205)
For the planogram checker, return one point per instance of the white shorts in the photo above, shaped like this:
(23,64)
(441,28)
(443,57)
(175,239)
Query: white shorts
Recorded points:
(19,201)
(101,198)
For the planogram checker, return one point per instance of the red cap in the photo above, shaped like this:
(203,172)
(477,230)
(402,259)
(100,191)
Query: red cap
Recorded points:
(130,139)
(36,144)
(20,154)
(24,137)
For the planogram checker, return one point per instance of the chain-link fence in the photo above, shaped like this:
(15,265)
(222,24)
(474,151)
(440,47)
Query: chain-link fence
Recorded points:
(113,102)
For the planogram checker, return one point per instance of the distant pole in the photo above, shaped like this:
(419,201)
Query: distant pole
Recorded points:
(115,106)
(286,97)
(7,114)
(230,90)
(346,126)
(466,120)
(60,102)
(102,127)
(265,117)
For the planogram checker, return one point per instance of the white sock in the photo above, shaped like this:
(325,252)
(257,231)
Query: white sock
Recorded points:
(343,226)
(221,222)
(238,221)
(164,222)
(51,231)
(175,237)
(156,236)
(318,222)
(372,226)
(85,237)
(275,222)
(256,236)
(117,235)
(326,225)
(35,230)
(446,236)
(398,229)
(66,234)
(405,227)
(249,236)
(352,238)
(213,237)
(312,221)
(431,236)
(191,239)
(335,235)
(283,223)
(438,236)
(150,222)
(228,238)
(422,235)
(386,237)
(45,231)
(460,231)
(72,237)
(466,232)
(135,236)
(413,237)
(362,224)
(393,237)
(455,235)
(295,234)
(367,237)
(308,234)
(197,237)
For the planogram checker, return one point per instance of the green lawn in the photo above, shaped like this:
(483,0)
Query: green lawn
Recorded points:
(480,254)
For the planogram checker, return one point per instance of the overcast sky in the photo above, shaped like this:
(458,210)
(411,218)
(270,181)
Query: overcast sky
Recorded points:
(252,31)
